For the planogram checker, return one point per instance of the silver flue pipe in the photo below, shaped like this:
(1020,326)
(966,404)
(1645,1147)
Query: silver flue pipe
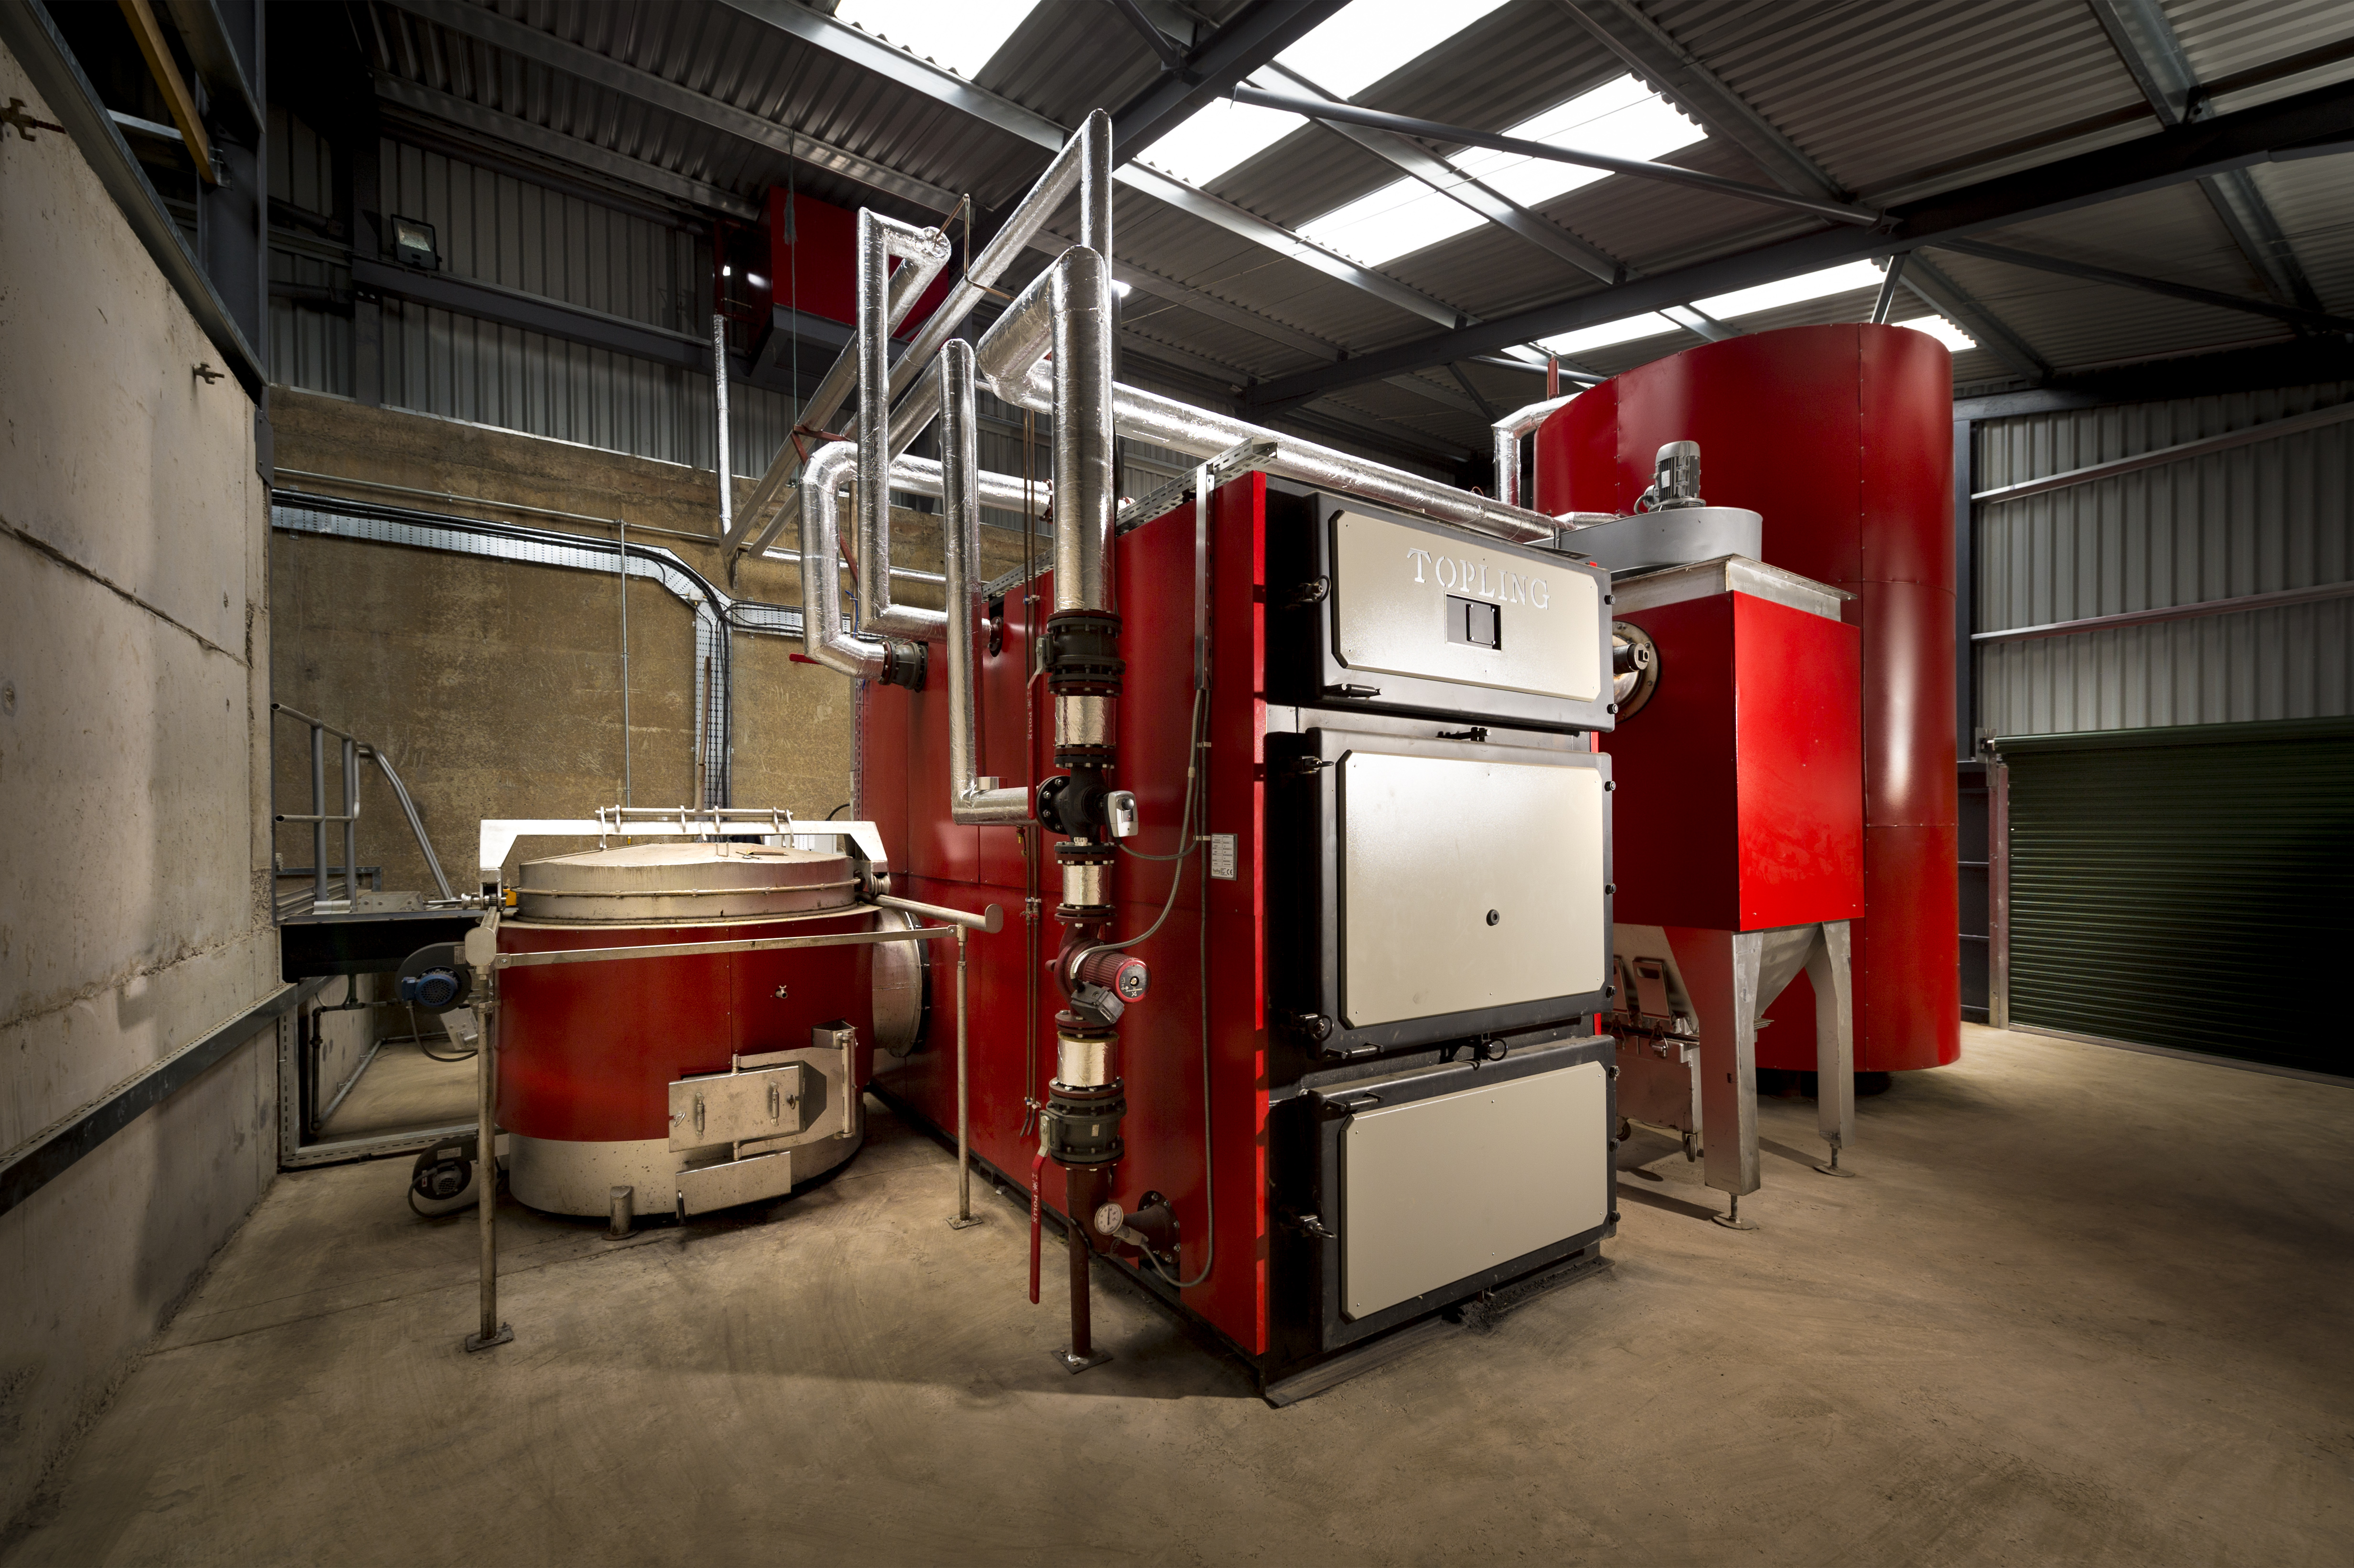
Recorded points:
(828,479)
(1508,432)
(1148,416)
(908,286)
(879,239)
(823,637)
(1083,164)
(972,799)
(1085,443)
(1085,161)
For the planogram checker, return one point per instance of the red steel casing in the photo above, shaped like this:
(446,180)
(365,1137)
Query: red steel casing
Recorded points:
(1740,800)
(1841,436)
(813,261)
(903,769)
(588,1052)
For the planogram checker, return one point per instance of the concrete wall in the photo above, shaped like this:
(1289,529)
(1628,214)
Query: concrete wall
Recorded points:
(496,686)
(134,637)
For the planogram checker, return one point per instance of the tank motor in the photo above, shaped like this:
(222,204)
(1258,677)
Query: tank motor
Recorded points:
(1675,479)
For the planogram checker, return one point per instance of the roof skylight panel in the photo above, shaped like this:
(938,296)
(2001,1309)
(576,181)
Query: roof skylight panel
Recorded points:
(1944,331)
(1621,117)
(1842,279)
(1628,330)
(958,34)
(1370,38)
(1345,54)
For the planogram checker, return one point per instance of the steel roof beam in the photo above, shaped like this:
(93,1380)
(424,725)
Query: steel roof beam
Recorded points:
(1949,299)
(1640,168)
(537,138)
(1172,57)
(1652,55)
(896,65)
(1419,162)
(2309,124)
(527,42)
(2152,54)
(217,62)
(2295,315)
(1647,50)
(1486,410)
(1256,36)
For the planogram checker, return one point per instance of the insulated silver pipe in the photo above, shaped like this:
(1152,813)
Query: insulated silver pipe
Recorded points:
(829,475)
(1021,337)
(822,634)
(1148,416)
(972,799)
(908,286)
(879,239)
(1083,439)
(719,409)
(921,476)
(1083,164)
(1508,432)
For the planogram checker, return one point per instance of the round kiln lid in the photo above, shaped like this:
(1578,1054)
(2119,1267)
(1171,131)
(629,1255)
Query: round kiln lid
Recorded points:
(682,881)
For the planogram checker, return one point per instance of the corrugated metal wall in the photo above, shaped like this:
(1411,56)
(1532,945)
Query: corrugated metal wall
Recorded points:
(2269,515)
(494,229)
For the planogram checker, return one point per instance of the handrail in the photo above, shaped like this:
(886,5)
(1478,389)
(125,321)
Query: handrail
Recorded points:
(318,816)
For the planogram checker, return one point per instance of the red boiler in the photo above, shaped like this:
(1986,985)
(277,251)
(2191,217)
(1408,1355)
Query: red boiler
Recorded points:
(1841,436)
(657,1072)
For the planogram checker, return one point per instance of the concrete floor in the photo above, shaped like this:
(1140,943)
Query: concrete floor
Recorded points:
(402,1088)
(2082,1306)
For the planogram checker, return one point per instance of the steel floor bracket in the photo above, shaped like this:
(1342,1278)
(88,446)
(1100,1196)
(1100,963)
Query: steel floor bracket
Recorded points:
(505,1336)
(1076,1364)
(966,1222)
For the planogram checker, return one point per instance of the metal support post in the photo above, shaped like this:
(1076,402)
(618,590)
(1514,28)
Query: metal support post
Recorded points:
(965,1217)
(318,816)
(1720,970)
(1829,971)
(351,824)
(486,1167)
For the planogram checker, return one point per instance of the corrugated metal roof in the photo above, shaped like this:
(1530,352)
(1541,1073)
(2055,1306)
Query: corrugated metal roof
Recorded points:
(1903,95)
(1873,90)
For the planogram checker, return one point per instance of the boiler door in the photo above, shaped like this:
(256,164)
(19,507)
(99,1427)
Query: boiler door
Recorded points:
(1467,884)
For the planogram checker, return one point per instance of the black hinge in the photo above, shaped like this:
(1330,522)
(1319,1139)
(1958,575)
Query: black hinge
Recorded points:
(1309,593)
(1353,690)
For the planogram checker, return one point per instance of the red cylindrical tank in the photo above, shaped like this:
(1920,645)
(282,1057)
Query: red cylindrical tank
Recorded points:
(1841,436)
(588,1051)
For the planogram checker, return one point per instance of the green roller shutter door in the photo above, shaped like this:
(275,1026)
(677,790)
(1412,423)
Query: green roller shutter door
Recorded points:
(2188,888)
